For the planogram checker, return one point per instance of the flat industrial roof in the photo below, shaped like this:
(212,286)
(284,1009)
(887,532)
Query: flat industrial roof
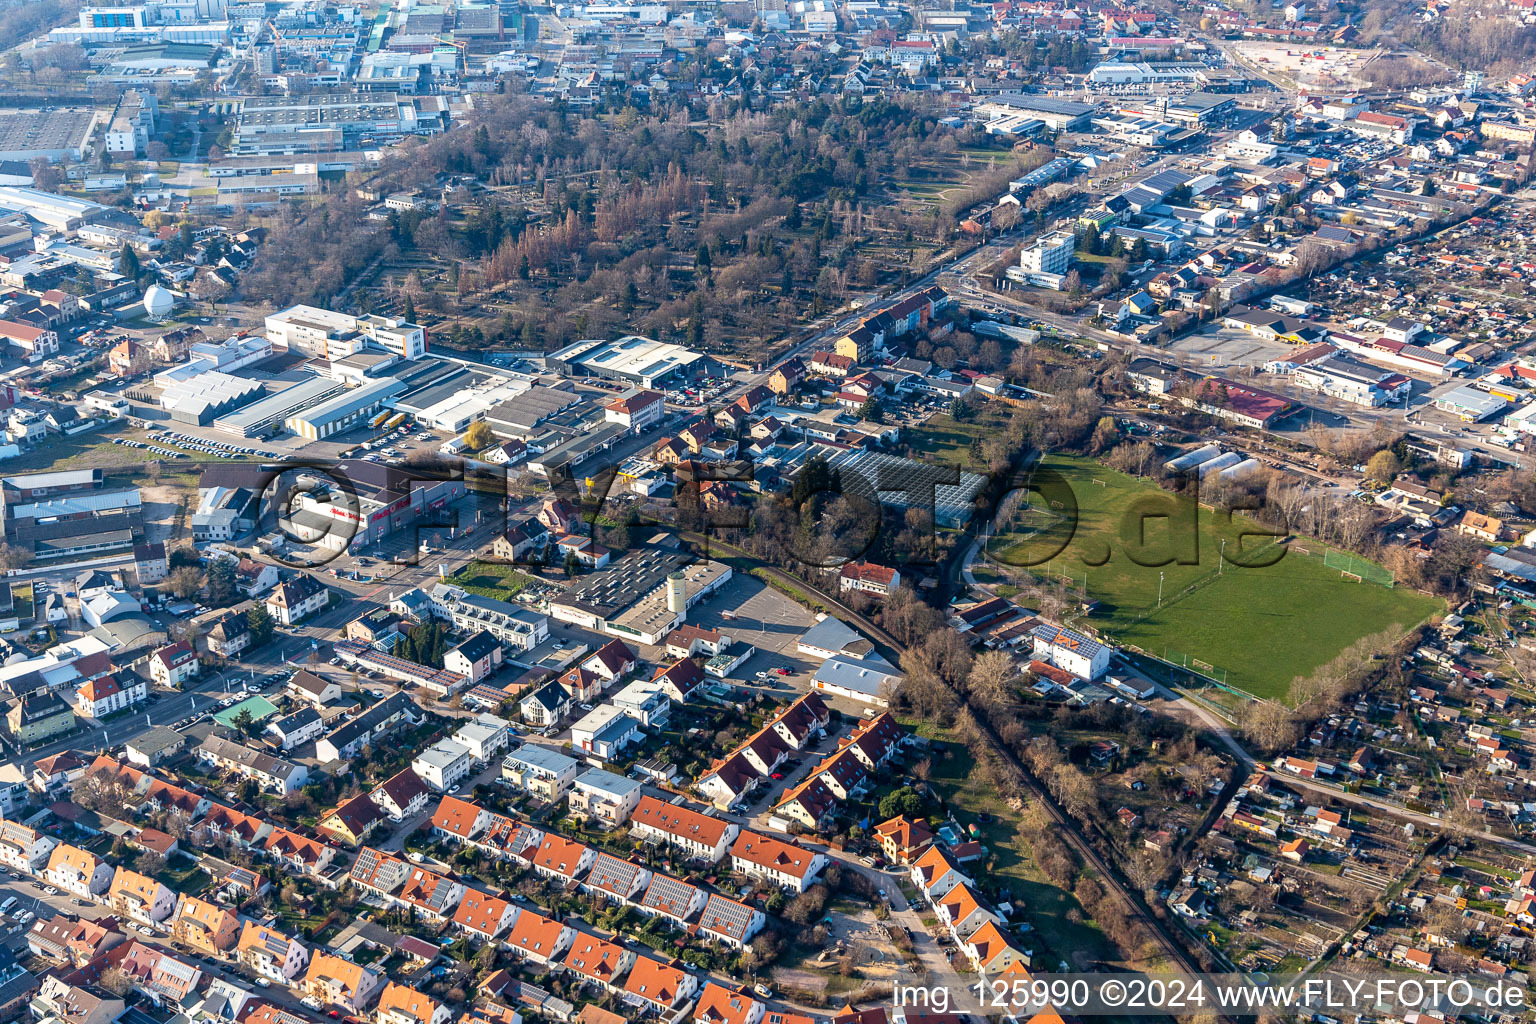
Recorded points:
(279,406)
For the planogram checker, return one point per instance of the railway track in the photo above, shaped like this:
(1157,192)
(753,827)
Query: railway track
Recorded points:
(1107,874)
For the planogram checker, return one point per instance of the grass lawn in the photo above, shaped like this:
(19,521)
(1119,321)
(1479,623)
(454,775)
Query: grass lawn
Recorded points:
(1262,626)
(487,579)
(944,439)
(1047,908)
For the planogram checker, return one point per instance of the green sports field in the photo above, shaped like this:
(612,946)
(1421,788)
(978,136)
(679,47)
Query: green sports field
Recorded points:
(1258,627)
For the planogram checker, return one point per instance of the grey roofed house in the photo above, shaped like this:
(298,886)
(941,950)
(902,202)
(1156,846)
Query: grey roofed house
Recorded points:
(478,646)
(608,782)
(872,676)
(154,743)
(542,758)
(301,719)
(248,757)
(832,634)
(365,724)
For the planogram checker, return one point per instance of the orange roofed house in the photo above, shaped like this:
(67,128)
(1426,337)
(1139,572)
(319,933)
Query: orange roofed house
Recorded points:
(661,986)
(787,865)
(539,938)
(598,961)
(78,872)
(271,954)
(400,1004)
(700,836)
(902,839)
(484,916)
(338,982)
(205,927)
(721,1005)
(140,898)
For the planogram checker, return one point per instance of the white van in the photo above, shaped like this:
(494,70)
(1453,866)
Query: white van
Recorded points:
(5,908)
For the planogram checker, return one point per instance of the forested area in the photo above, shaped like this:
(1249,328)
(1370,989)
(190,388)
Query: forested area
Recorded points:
(723,233)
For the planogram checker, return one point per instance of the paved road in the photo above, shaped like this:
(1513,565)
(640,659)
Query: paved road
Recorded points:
(30,893)
(1222,732)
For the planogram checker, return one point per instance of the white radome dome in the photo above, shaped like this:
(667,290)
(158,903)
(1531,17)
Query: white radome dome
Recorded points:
(158,301)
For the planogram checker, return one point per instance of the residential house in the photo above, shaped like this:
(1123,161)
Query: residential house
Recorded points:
(475,658)
(172,665)
(605,797)
(205,927)
(597,961)
(619,880)
(271,954)
(961,911)
(295,600)
(658,986)
(402,795)
(787,377)
(869,578)
(720,1005)
(539,939)
(546,705)
(562,858)
(545,773)
(352,821)
(273,774)
(230,635)
(729,921)
(698,835)
(78,872)
(787,865)
(140,898)
(341,983)
(25,849)
(483,916)
(670,898)
(936,873)
(402,1004)
(297,729)
(104,695)
(903,839)
(297,853)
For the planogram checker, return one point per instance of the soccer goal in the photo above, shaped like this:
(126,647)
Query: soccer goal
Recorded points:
(1356,569)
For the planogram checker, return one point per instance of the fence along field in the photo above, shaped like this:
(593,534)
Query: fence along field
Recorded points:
(1253,628)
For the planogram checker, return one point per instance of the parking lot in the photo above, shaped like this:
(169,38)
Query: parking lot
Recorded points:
(1215,347)
(751,612)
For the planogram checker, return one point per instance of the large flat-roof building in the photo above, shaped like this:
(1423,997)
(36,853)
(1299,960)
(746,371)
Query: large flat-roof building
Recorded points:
(906,483)
(206,396)
(1059,115)
(638,360)
(642,597)
(331,335)
(333,122)
(267,415)
(66,513)
(387,499)
(65,213)
(342,412)
(53,134)
(150,22)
